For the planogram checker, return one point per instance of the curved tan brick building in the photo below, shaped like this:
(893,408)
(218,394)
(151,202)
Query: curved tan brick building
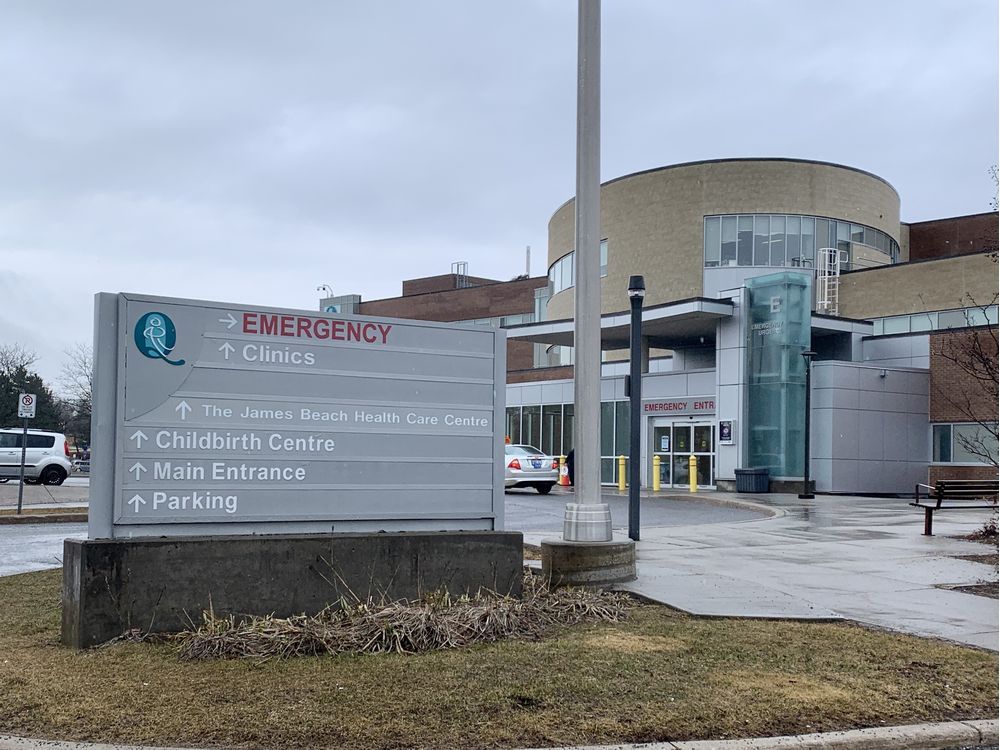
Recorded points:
(654,221)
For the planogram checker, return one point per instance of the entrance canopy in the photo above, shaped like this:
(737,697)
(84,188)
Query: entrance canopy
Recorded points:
(674,325)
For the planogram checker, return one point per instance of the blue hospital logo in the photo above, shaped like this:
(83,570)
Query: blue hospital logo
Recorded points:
(155,336)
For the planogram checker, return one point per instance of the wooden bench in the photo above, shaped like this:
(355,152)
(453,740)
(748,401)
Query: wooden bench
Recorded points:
(955,494)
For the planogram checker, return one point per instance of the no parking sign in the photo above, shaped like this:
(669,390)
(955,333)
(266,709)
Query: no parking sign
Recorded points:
(26,406)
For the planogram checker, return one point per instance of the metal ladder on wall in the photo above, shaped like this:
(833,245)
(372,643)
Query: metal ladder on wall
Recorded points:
(829,261)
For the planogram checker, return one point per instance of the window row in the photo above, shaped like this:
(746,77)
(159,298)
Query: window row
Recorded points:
(935,321)
(784,240)
(970,443)
(503,321)
(549,427)
(561,272)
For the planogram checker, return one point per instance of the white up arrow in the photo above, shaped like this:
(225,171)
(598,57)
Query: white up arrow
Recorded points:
(229,320)
(138,437)
(137,468)
(227,348)
(183,407)
(135,501)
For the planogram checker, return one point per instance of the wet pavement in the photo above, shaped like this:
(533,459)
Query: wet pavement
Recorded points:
(529,512)
(858,558)
(24,548)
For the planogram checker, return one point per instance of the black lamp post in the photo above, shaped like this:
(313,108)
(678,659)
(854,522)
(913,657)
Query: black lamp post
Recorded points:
(806,494)
(636,292)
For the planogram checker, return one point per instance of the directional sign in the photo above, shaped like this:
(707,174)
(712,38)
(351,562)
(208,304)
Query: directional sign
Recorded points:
(26,405)
(241,419)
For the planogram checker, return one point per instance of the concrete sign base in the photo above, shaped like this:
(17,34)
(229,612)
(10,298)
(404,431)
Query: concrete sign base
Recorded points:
(162,585)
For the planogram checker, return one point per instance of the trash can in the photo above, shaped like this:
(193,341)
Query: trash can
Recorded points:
(752,480)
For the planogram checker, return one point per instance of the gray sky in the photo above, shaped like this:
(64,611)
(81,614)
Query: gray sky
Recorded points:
(250,151)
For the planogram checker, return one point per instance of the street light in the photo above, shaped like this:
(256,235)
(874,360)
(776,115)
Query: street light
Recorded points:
(325,288)
(808,357)
(636,292)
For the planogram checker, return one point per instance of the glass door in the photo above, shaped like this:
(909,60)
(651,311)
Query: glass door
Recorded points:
(675,443)
(661,448)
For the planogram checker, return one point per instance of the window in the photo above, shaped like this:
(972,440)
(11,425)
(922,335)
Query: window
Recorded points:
(561,273)
(713,240)
(785,240)
(964,443)
(744,249)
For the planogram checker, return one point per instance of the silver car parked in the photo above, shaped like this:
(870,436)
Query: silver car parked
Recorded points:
(526,466)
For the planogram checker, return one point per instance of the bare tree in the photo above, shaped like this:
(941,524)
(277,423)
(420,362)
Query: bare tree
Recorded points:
(77,384)
(15,361)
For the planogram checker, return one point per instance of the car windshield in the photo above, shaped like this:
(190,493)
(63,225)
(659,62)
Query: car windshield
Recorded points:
(523,450)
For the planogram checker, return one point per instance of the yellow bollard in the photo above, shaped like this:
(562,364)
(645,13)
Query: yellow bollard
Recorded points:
(621,473)
(693,472)
(656,473)
(563,472)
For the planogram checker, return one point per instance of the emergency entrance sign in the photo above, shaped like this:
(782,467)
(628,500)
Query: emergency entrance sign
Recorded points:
(240,419)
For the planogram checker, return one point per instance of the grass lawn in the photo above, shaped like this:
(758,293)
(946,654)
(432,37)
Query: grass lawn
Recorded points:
(659,676)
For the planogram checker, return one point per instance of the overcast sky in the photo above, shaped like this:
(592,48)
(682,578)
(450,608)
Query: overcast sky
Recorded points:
(250,151)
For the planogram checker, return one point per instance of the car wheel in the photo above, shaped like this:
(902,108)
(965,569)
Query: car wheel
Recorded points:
(53,475)
(543,489)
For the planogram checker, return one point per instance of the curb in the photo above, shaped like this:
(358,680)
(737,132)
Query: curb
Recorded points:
(43,518)
(937,736)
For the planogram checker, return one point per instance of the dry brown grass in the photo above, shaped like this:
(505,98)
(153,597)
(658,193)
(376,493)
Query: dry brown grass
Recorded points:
(589,684)
(434,623)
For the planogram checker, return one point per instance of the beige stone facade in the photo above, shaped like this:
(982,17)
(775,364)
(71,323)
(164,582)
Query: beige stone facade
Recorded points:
(654,221)
(906,288)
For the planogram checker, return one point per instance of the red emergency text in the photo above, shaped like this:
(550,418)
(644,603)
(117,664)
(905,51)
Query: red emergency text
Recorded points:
(326,329)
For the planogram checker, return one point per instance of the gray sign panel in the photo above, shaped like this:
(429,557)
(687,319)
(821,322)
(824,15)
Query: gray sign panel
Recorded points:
(211,418)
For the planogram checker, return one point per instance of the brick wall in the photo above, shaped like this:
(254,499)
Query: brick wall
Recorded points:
(956,236)
(446,305)
(440,283)
(955,395)
(538,374)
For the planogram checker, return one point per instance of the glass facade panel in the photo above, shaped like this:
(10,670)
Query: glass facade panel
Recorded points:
(941,440)
(531,425)
(761,237)
(923,322)
(778,332)
(951,319)
(793,231)
(777,240)
(567,429)
(857,233)
(822,234)
(552,430)
(728,240)
(623,419)
(608,428)
(808,250)
(970,442)
(744,251)
(604,257)
(900,324)
(513,429)
(713,240)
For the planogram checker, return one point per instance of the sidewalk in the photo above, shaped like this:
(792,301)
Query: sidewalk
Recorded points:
(858,558)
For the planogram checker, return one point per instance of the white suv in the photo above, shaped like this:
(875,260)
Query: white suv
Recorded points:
(46,459)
